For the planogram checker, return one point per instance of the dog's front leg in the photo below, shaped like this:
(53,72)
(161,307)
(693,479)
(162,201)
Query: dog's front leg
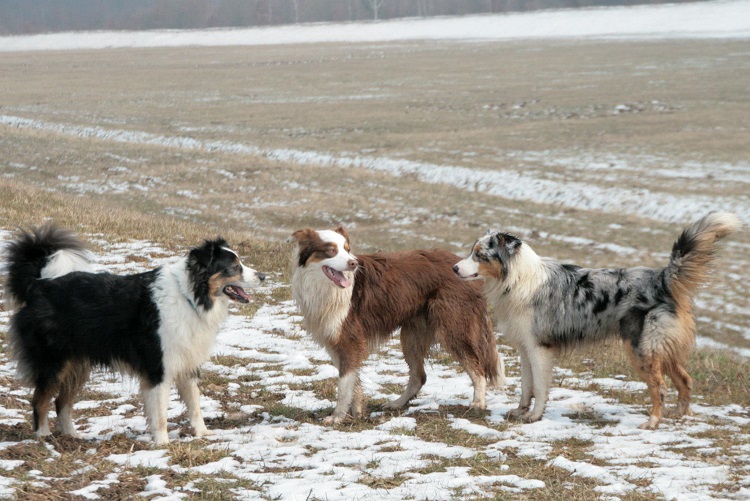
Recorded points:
(527,383)
(155,399)
(542,361)
(347,386)
(187,388)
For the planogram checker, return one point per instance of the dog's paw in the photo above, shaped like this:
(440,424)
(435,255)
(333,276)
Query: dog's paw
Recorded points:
(72,434)
(516,414)
(478,405)
(529,417)
(394,405)
(332,419)
(651,424)
(161,438)
(202,432)
(678,412)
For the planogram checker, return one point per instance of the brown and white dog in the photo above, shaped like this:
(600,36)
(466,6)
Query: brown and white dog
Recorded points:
(352,304)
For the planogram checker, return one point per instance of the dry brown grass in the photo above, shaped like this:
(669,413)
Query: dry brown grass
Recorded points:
(475,105)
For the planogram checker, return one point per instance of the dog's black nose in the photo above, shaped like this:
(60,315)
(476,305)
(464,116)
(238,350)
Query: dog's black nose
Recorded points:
(261,276)
(455,268)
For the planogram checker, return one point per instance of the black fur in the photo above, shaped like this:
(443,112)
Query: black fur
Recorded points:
(98,318)
(28,254)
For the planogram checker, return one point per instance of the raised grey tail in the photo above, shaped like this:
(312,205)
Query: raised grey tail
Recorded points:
(693,253)
(43,252)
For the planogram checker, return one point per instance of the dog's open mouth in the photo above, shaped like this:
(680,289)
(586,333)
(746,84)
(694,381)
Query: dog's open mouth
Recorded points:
(337,277)
(237,293)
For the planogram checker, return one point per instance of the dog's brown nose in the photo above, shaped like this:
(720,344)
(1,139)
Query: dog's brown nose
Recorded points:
(352,264)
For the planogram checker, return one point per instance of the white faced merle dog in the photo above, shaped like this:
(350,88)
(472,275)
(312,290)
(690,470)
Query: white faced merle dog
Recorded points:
(159,326)
(544,306)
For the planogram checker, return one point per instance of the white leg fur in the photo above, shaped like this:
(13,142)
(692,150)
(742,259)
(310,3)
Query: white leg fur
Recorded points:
(65,421)
(347,384)
(187,387)
(358,403)
(155,405)
(480,389)
(527,385)
(542,361)
(500,384)
(43,430)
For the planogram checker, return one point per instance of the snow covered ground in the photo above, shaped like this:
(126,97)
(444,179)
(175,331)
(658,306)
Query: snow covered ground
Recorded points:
(713,19)
(515,184)
(284,458)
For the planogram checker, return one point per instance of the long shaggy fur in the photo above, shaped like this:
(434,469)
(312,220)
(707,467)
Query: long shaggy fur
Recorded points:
(358,306)
(47,251)
(158,326)
(545,306)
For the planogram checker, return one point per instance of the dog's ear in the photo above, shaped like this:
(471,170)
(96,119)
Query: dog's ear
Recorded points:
(496,239)
(511,243)
(201,257)
(300,235)
(341,231)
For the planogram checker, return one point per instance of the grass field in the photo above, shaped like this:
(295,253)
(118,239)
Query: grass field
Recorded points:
(595,152)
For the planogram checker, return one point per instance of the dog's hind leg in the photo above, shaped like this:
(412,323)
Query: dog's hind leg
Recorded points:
(40,404)
(73,379)
(684,384)
(650,368)
(416,340)
(187,388)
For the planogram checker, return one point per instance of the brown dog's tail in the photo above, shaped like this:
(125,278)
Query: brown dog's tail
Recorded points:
(494,368)
(693,253)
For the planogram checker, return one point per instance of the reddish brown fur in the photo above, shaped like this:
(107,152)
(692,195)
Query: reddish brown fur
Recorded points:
(419,292)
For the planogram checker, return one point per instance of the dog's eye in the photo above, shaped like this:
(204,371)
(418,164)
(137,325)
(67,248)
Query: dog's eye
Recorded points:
(233,270)
(331,251)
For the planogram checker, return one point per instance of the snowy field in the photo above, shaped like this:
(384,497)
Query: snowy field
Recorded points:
(268,386)
(284,458)
(712,19)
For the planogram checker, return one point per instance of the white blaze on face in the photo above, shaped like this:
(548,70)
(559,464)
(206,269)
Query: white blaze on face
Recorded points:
(468,269)
(337,259)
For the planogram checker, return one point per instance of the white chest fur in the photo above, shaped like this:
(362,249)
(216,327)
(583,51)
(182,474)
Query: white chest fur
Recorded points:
(323,305)
(187,331)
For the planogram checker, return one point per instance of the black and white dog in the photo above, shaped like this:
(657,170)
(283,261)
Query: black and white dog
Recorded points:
(159,326)
(544,307)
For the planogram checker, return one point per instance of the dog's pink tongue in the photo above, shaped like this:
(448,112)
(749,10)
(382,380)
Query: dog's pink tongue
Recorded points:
(339,278)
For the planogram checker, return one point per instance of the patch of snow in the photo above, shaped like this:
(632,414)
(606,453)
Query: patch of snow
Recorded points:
(716,19)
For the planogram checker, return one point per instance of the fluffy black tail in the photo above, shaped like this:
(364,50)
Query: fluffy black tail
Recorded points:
(694,251)
(44,252)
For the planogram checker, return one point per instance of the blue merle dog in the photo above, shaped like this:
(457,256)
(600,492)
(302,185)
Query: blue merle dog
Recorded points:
(544,307)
